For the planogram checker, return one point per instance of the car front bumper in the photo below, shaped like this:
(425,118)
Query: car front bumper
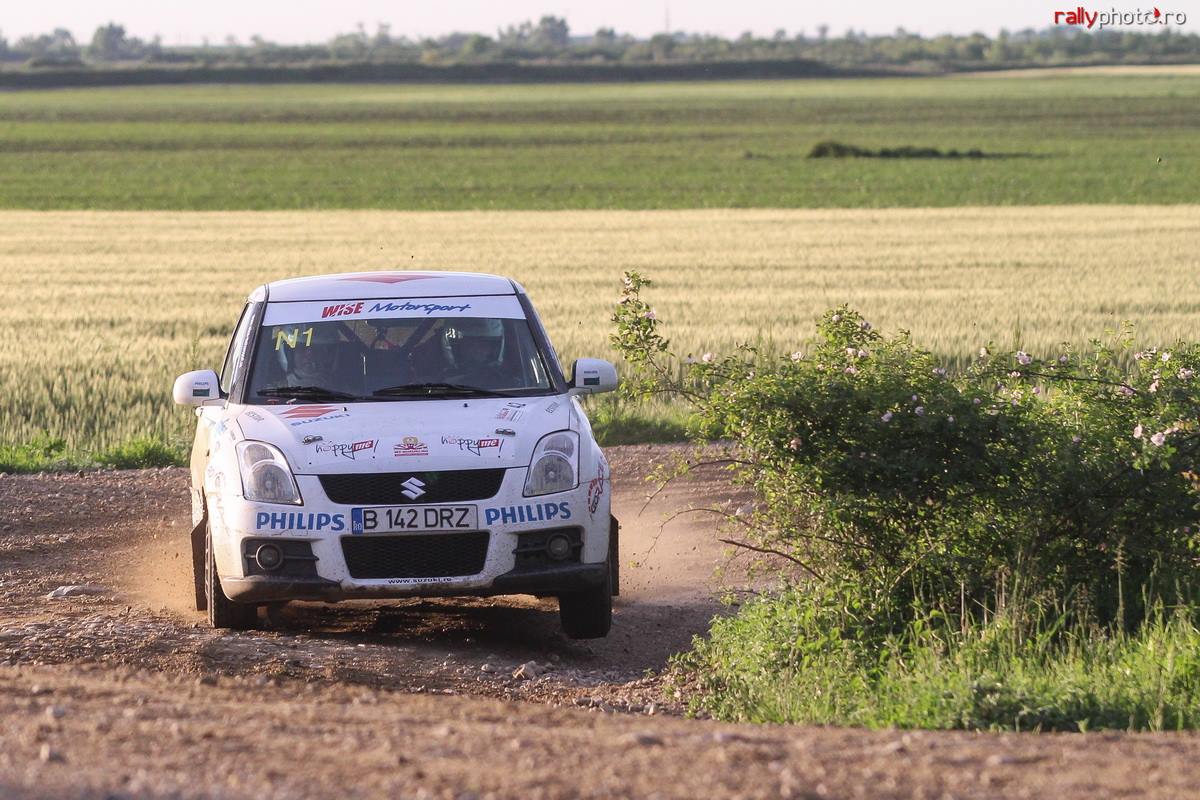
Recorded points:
(550,581)
(503,569)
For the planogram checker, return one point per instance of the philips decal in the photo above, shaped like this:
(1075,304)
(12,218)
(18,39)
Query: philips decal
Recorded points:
(532,512)
(299,521)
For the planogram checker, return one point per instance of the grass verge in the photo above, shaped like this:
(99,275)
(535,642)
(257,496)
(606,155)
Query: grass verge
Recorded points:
(46,453)
(799,657)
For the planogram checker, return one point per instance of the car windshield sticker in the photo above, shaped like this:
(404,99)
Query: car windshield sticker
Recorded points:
(488,306)
(293,338)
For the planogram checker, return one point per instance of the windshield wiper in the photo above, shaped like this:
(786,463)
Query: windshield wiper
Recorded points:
(308,393)
(431,389)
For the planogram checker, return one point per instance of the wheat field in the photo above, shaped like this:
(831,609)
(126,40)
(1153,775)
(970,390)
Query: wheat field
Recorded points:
(102,309)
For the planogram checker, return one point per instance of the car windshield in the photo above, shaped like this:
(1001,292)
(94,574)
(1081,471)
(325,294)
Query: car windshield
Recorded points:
(355,355)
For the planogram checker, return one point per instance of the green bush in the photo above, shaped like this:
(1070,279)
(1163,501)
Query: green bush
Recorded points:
(989,549)
(1073,475)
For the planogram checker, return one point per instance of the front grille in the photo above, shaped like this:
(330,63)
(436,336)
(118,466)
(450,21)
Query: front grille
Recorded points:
(388,488)
(431,555)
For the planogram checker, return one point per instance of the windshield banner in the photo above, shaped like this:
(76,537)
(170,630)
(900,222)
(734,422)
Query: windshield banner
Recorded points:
(492,307)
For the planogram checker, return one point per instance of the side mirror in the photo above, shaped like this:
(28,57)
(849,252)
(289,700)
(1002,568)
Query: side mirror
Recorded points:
(592,376)
(197,388)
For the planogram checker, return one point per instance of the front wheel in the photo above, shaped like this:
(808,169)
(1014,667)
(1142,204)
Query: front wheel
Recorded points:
(587,614)
(223,612)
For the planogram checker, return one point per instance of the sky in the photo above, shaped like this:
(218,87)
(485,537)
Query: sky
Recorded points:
(296,21)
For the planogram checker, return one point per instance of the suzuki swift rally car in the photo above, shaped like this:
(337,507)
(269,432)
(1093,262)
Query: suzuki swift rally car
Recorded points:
(392,434)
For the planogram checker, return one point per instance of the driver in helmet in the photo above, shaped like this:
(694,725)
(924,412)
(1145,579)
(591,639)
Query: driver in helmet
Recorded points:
(310,360)
(475,347)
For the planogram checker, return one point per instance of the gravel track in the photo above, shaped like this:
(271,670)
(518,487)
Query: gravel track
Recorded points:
(121,690)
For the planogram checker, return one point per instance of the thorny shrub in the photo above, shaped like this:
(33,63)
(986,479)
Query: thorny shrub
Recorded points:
(1068,474)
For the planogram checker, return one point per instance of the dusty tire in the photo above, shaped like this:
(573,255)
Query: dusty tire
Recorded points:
(587,614)
(614,555)
(223,612)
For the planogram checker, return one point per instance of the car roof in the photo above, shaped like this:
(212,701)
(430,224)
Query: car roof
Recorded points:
(368,285)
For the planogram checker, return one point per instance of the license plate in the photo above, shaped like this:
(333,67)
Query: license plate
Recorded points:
(414,518)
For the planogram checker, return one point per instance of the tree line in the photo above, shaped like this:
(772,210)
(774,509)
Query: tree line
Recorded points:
(550,41)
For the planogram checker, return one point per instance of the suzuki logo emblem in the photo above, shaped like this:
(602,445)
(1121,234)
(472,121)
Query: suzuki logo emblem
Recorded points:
(413,488)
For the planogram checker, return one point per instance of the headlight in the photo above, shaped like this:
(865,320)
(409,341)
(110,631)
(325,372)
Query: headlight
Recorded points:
(554,467)
(266,476)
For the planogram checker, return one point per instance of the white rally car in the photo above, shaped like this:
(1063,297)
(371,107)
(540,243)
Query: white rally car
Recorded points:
(390,434)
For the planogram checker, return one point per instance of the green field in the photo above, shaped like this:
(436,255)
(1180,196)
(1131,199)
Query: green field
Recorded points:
(1058,139)
(103,309)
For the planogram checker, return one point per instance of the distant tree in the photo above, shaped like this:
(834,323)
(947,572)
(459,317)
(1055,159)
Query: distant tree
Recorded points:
(59,44)
(383,35)
(549,38)
(516,34)
(108,42)
(662,46)
(476,46)
(552,32)
(350,46)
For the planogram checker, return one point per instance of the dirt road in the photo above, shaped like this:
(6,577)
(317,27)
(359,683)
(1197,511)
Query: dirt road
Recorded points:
(121,691)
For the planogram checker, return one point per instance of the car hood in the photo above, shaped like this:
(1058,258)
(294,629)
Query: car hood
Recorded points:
(410,435)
